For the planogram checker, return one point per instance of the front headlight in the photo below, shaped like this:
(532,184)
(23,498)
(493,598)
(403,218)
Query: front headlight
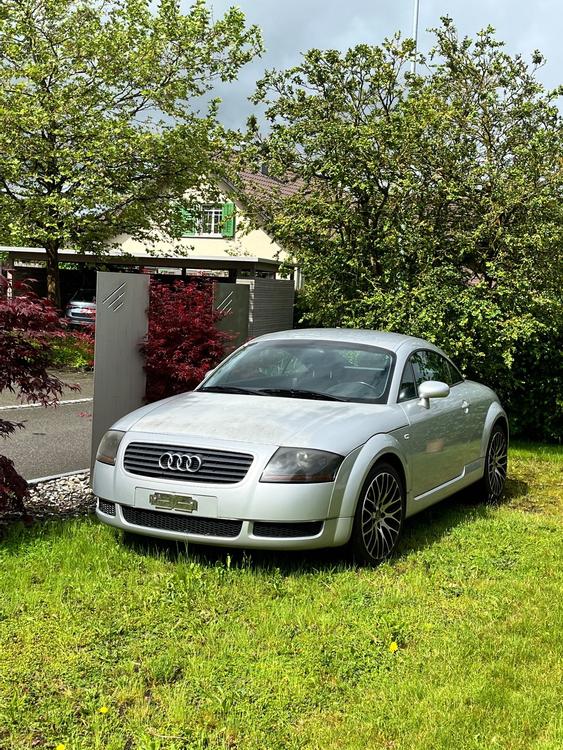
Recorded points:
(301,465)
(108,447)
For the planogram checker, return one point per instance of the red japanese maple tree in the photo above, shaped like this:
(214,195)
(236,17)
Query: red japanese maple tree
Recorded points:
(183,341)
(28,324)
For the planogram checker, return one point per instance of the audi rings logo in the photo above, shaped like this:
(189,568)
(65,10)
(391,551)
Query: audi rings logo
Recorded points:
(180,462)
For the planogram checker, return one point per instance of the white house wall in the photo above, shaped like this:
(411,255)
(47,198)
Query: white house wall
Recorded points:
(253,244)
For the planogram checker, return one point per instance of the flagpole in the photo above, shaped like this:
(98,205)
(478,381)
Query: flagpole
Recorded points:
(415,33)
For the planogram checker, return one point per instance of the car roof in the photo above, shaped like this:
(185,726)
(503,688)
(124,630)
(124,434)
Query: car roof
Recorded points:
(383,339)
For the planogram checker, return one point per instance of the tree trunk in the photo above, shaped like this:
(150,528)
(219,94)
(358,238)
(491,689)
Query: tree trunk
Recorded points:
(53,280)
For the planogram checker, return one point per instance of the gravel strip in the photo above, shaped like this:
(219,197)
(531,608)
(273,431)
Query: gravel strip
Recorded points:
(65,497)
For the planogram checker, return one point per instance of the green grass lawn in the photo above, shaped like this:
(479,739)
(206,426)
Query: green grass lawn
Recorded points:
(104,645)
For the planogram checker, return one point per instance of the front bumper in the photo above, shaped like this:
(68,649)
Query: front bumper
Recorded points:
(313,508)
(331,532)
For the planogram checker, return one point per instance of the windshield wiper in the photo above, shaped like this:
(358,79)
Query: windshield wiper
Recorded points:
(299,393)
(230,389)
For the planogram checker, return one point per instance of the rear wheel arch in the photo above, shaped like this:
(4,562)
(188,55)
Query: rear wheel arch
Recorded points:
(496,462)
(495,416)
(502,421)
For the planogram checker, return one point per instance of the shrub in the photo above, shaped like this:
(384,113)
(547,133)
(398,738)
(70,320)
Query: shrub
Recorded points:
(28,326)
(73,350)
(183,342)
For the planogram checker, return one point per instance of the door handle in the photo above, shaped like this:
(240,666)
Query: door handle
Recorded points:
(465,406)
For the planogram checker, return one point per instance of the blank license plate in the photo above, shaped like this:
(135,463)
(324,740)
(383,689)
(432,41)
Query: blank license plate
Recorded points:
(173,502)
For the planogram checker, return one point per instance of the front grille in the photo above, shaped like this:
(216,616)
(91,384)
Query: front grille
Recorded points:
(287,530)
(217,467)
(154,519)
(107,507)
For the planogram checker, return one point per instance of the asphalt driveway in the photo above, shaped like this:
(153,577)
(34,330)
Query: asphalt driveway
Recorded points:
(54,439)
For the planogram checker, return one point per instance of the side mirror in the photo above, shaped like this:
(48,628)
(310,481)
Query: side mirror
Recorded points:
(432,389)
(208,373)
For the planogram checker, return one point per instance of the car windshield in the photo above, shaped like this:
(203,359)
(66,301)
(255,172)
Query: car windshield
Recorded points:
(84,295)
(327,370)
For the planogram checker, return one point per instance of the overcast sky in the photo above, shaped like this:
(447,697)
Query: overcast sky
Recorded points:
(291,27)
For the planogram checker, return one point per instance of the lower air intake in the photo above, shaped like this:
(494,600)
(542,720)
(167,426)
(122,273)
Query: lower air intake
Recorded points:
(106,507)
(153,519)
(287,530)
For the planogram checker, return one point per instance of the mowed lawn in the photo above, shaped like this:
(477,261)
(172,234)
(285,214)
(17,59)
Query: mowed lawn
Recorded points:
(104,645)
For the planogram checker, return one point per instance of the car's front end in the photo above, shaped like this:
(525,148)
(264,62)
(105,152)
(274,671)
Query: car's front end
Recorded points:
(81,309)
(219,492)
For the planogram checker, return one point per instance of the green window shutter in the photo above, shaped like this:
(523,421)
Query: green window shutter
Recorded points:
(185,222)
(228,219)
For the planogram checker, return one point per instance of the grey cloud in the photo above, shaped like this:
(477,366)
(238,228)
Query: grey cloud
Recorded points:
(290,27)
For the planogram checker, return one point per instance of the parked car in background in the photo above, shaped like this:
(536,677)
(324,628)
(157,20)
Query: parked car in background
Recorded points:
(81,309)
(304,439)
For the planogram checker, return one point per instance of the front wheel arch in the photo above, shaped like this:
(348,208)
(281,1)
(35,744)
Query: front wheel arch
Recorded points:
(396,463)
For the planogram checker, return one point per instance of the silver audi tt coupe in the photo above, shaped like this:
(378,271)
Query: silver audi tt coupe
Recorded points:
(305,439)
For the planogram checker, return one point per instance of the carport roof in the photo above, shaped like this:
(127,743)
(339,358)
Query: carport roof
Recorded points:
(115,257)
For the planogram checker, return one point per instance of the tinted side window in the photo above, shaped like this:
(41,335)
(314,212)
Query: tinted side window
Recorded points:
(407,389)
(429,365)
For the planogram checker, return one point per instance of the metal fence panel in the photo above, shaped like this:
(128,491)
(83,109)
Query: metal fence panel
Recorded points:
(233,300)
(122,301)
(271,306)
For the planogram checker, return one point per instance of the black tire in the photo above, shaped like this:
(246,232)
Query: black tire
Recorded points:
(380,514)
(496,462)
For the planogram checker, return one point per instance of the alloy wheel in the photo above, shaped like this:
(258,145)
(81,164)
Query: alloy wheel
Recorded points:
(381,515)
(497,461)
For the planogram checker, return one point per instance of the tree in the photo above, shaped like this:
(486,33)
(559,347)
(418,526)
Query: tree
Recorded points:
(430,205)
(28,326)
(183,341)
(100,129)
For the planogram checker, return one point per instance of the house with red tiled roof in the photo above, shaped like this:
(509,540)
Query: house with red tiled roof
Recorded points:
(220,229)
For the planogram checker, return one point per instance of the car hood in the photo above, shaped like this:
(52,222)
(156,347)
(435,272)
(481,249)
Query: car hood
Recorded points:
(328,425)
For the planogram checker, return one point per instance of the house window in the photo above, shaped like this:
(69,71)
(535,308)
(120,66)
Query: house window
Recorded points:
(207,220)
(211,220)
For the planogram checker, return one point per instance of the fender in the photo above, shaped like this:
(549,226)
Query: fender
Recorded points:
(495,411)
(356,467)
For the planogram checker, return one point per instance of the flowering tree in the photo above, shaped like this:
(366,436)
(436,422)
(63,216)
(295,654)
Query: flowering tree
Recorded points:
(28,325)
(183,342)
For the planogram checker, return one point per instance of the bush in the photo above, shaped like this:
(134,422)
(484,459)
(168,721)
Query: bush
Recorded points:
(183,342)
(28,327)
(73,351)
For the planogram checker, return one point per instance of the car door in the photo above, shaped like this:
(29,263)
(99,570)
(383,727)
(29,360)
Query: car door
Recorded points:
(437,440)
